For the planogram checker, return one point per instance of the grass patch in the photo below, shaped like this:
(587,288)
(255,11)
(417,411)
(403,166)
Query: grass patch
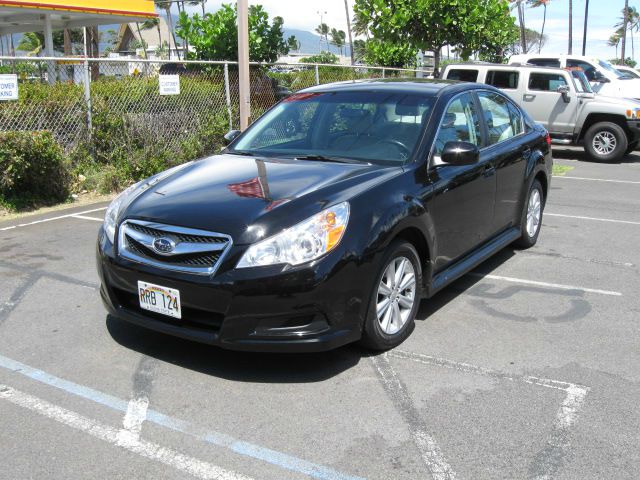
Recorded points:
(559,170)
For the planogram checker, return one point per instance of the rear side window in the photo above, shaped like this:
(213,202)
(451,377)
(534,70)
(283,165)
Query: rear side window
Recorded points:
(499,118)
(546,82)
(502,79)
(545,62)
(463,75)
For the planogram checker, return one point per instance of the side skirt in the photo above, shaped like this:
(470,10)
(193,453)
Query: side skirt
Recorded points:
(472,260)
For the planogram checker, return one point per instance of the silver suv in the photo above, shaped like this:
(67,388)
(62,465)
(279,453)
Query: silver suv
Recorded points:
(563,101)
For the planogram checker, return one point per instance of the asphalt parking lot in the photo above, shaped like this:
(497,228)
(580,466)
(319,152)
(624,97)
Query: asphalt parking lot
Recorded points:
(526,368)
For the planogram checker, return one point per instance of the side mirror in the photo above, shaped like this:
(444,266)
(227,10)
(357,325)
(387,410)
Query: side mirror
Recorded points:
(460,153)
(231,135)
(564,90)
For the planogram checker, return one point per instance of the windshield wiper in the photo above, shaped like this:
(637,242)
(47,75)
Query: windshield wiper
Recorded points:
(241,152)
(324,158)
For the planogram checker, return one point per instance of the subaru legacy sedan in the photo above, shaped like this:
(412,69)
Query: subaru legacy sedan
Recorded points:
(329,219)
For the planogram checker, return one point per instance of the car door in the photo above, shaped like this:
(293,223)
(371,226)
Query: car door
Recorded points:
(462,198)
(546,105)
(508,148)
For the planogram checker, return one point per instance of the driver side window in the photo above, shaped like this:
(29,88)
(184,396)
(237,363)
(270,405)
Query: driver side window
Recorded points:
(460,123)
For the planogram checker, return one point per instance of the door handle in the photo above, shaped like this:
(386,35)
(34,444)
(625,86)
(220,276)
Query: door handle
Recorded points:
(489,170)
(526,151)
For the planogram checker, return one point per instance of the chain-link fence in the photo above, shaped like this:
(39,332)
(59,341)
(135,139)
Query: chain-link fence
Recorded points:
(112,103)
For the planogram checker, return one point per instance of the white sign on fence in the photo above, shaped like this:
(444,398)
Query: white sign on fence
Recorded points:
(169,84)
(8,87)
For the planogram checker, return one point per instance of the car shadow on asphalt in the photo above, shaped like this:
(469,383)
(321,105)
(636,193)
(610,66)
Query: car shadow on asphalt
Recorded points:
(232,365)
(566,154)
(274,367)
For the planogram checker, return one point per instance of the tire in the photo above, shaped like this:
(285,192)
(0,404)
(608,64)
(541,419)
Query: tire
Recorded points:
(529,229)
(605,142)
(390,329)
(632,146)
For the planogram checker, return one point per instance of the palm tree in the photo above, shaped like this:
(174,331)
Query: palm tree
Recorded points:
(625,20)
(153,23)
(32,43)
(614,40)
(323,31)
(142,42)
(338,38)
(544,3)
(629,21)
(166,6)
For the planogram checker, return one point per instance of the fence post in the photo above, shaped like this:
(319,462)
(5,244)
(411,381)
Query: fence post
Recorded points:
(383,72)
(228,94)
(87,92)
(317,76)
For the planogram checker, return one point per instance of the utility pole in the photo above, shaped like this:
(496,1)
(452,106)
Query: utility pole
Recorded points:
(346,7)
(584,31)
(243,63)
(570,46)
(625,15)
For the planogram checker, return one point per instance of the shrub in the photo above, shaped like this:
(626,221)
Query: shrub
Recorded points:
(33,169)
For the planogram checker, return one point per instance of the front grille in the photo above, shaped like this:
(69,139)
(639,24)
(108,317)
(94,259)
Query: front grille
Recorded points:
(194,251)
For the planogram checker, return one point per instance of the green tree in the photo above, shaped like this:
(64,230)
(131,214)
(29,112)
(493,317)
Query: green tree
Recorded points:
(32,43)
(322,57)
(632,22)
(293,43)
(359,50)
(215,36)
(388,54)
(472,26)
(614,40)
(536,4)
(153,23)
(323,31)
(338,38)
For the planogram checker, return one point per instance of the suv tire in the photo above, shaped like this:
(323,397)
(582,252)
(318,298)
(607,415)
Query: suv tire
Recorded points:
(531,220)
(605,142)
(390,327)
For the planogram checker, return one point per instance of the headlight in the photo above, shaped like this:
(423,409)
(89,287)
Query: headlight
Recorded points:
(111,216)
(301,243)
(633,113)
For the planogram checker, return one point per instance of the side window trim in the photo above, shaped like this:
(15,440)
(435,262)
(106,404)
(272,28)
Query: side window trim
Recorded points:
(508,101)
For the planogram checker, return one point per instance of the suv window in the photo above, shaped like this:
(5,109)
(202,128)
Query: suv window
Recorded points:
(545,62)
(463,75)
(502,79)
(546,82)
(502,124)
(588,69)
(460,123)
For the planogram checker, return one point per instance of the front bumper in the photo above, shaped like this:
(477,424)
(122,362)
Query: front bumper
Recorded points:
(634,128)
(315,308)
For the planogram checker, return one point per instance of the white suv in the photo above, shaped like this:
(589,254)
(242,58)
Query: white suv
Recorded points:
(605,78)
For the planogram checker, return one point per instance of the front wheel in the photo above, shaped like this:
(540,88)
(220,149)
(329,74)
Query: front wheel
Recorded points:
(395,298)
(605,142)
(531,220)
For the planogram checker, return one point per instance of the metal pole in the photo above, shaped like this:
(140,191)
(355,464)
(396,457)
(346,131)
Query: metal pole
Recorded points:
(346,7)
(317,76)
(584,33)
(383,72)
(243,63)
(87,84)
(228,94)
(48,48)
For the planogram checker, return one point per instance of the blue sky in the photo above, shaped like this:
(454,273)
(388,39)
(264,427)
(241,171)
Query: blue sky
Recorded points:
(603,14)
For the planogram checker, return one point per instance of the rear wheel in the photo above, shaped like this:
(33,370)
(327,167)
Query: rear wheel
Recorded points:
(605,142)
(531,220)
(395,298)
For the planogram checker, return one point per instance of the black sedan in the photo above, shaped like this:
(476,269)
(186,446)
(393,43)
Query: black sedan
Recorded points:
(329,219)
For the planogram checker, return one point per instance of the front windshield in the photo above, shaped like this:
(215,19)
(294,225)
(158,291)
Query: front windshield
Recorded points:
(581,82)
(375,127)
(611,69)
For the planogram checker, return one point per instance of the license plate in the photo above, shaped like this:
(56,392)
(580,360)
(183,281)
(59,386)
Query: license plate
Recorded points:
(158,299)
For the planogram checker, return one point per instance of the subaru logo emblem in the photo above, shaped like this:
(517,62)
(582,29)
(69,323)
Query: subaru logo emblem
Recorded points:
(163,245)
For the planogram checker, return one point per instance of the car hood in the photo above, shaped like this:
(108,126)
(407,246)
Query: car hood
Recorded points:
(623,88)
(623,104)
(251,198)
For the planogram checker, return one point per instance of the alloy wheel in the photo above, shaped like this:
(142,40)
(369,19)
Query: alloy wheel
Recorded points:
(396,295)
(534,212)
(604,142)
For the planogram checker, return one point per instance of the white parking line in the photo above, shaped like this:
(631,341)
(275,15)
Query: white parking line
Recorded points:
(82,217)
(596,179)
(51,219)
(545,284)
(558,442)
(152,451)
(134,418)
(580,217)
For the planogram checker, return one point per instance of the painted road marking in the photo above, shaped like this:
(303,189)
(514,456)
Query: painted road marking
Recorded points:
(52,219)
(425,443)
(559,441)
(611,220)
(134,418)
(152,451)
(597,179)
(544,284)
(223,440)
(82,217)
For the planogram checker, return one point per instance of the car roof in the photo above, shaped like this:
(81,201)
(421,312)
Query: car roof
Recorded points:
(469,66)
(406,85)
